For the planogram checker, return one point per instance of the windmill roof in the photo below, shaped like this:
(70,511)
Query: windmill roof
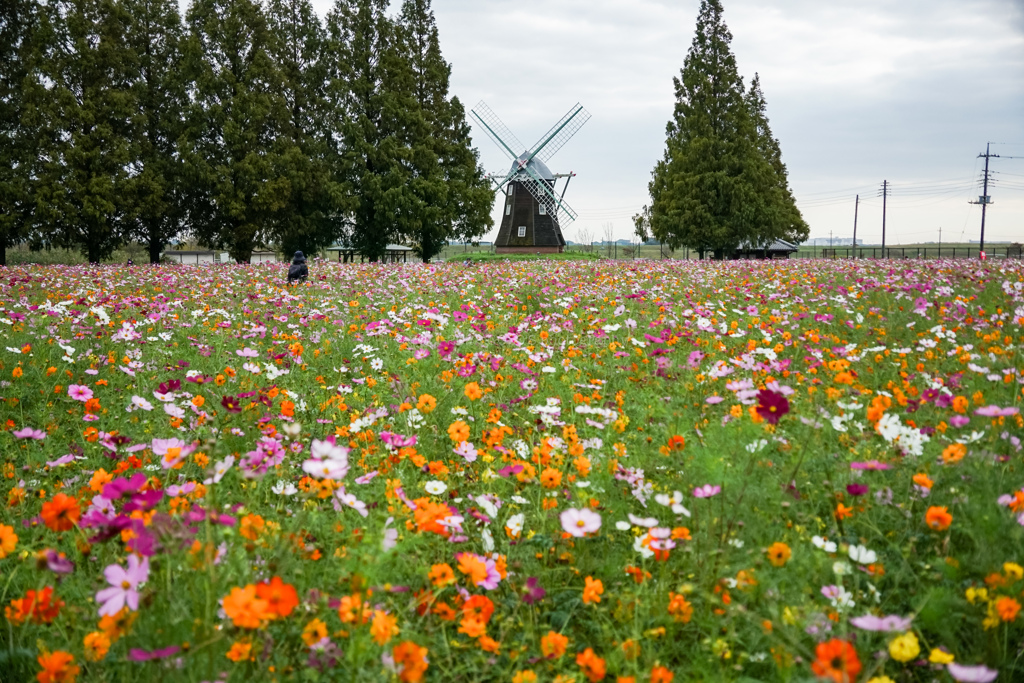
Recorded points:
(537,166)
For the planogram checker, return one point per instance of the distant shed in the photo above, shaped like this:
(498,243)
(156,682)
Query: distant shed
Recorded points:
(393,253)
(207,257)
(777,249)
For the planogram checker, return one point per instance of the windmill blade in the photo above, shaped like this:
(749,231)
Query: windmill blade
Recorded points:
(560,133)
(545,194)
(497,130)
(504,178)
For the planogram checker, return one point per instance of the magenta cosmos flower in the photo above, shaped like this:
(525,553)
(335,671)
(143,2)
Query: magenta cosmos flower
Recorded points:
(580,522)
(771,405)
(30,433)
(80,392)
(124,584)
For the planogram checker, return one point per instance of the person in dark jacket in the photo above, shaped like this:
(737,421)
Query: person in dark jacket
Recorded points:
(298,272)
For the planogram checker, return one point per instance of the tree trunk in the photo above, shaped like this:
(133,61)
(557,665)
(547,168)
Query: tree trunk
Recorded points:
(3,251)
(155,248)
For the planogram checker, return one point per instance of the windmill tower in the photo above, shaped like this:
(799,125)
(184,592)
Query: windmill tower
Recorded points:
(533,212)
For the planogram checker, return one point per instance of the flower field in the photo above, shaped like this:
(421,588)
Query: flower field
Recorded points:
(545,471)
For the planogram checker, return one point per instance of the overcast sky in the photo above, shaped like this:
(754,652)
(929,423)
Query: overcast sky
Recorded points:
(858,91)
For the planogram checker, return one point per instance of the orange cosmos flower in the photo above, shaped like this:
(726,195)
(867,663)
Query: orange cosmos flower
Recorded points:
(488,644)
(441,575)
(473,567)
(550,478)
(352,608)
(280,597)
(314,632)
(96,645)
(921,479)
(58,667)
(1007,608)
(592,590)
(592,665)
(39,607)
(384,627)
(426,403)
(680,609)
(8,540)
(472,391)
(660,674)
(842,512)
(62,513)
(245,609)
(479,607)
(251,527)
(938,518)
(412,659)
(954,452)
(836,660)
(779,554)
(458,431)
(428,516)
(240,649)
(553,645)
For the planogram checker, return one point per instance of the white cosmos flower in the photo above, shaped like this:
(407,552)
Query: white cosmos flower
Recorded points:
(638,545)
(514,525)
(862,555)
(520,500)
(822,544)
(622,526)
(435,487)
(284,488)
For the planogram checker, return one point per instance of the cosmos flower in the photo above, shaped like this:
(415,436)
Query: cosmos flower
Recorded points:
(706,491)
(124,584)
(580,522)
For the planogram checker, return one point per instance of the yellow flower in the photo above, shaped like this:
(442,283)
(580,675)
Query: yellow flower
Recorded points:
(938,656)
(881,679)
(1013,569)
(975,595)
(779,554)
(904,648)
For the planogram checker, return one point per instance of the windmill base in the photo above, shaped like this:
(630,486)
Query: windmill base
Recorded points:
(529,250)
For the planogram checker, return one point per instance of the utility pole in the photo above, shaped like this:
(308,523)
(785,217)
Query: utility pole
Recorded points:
(940,241)
(885,194)
(856,205)
(984,199)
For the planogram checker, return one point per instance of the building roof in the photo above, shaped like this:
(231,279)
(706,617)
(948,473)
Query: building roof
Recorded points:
(390,247)
(535,165)
(775,245)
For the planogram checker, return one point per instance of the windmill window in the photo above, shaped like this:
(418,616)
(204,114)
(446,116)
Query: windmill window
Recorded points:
(508,209)
(543,210)
(511,188)
(522,231)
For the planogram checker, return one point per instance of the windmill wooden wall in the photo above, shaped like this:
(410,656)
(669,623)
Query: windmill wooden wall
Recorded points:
(543,234)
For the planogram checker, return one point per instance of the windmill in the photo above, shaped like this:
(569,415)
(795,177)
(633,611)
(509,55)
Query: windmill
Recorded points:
(533,210)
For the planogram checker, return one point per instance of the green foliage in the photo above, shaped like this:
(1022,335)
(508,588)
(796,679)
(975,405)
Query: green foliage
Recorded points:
(307,220)
(721,182)
(155,37)
(17,24)
(232,147)
(488,257)
(454,198)
(84,113)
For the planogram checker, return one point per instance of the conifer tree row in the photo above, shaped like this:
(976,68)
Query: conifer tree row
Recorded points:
(721,183)
(242,124)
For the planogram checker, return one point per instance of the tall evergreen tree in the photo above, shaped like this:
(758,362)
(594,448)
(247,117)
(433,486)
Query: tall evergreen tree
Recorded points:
(708,192)
(85,115)
(371,88)
(17,25)
(230,148)
(155,36)
(308,220)
(790,225)
(454,199)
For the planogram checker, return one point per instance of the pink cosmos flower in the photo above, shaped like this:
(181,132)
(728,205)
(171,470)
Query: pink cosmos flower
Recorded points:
(870,622)
(971,674)
(706,491)
(466,450)
(124,584)
(171,451)
(80,392)
(30,433)
(870,465)
(329,461)
(580,522)
(996,411)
